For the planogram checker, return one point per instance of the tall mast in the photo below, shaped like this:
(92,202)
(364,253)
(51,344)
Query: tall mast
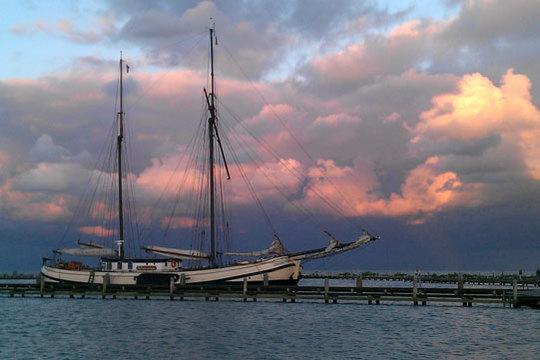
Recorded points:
(211,126)
(120,138)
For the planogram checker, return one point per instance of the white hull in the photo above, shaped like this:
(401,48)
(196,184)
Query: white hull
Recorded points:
(280,269)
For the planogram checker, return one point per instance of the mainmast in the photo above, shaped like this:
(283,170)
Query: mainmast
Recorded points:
(213,133)
(120,138)
(211,126)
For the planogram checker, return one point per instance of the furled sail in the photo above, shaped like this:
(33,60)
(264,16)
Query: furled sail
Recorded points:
(276,248)
(334,247)
(88,249)
(175,253)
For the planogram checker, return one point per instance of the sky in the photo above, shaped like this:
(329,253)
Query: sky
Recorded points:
(416,120)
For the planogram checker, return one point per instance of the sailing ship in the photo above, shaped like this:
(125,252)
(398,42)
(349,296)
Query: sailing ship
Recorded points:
(274,265)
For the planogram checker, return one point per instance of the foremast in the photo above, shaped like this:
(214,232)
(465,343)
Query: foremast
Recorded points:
(119,142)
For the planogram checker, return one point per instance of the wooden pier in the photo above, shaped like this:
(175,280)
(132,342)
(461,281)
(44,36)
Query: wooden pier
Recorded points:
(432,278)
(415,295)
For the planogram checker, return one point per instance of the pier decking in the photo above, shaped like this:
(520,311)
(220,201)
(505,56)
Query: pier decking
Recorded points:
(415,295)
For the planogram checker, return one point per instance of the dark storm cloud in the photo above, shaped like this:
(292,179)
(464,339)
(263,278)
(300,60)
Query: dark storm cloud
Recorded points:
(260,34)
(486,21)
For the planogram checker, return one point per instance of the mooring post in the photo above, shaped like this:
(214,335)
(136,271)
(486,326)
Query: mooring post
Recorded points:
(41,284)
(244,287)
(171,287)
(415,291)
(265,279)
(106,281)
(460,283)
(514,293)
(359,282)
(326,289)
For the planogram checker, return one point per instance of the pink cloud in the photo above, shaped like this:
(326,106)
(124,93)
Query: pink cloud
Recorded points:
(344,65)
(96,230)
(406,29)
(414,29)
(167,175)
(178,84)
(32,205)
(336,119)
(425,191)
(285,174)
(178,222)
(103,27)
(393,117)
(100,210)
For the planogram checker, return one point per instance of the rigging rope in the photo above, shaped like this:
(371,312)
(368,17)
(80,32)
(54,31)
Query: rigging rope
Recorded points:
(299,176)
(295,138)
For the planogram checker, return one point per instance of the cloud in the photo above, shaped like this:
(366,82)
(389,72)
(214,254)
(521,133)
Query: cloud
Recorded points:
(481,21)
(99,231)
(425,191)
(46,150)
(367,61)
(172,178)
(51,177)
(362,98)
(428,190)
(480,110)
(334,120)
(48,185)
(171,33)
(32,206)
(105,27)
(4,160)
(178,222)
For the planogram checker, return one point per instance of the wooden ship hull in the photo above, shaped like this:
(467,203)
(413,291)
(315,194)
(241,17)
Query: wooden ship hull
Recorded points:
(280,270)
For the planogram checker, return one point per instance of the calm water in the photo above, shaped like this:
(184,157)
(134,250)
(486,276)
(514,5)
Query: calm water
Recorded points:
(137,329)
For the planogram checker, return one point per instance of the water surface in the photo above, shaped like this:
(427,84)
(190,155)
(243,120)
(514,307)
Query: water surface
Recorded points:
(140,329)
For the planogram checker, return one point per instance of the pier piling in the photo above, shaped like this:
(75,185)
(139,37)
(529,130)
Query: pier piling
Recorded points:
(415,291)
(510,295)
(460,283)
(41,285)
(326,289)
(359,283)
(514,293)
(106,281)
(172,288)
